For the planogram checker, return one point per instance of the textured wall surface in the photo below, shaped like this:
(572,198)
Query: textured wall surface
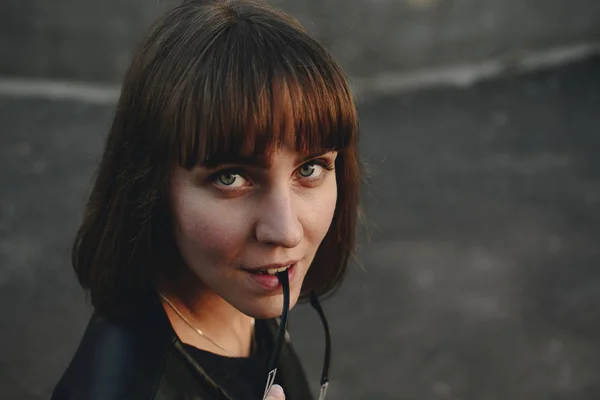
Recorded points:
(480,282)
(93,40)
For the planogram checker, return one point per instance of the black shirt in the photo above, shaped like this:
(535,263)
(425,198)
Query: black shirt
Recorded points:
(136,355)
(242,378)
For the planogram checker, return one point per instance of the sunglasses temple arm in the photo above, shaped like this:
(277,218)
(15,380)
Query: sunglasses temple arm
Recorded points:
(323,391)
(274,360)
(314,301)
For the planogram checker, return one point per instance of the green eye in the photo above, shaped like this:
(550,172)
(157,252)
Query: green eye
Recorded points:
(307,170)
(227,178)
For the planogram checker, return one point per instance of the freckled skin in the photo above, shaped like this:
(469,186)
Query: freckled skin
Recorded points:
(272,215)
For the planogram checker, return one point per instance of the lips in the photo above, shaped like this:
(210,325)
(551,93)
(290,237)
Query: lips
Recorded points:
(263,279)
(270,269)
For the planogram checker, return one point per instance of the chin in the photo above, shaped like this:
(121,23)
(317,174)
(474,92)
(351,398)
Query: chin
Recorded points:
(267,308)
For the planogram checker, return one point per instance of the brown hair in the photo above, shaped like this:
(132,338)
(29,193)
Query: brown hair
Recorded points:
(208,81)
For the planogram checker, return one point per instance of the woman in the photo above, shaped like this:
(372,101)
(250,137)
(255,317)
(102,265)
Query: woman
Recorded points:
(227,191)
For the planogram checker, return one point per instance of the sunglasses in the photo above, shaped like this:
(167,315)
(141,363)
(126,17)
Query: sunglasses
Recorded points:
(274,360)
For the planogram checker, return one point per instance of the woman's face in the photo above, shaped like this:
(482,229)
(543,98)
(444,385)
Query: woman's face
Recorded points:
(236,220)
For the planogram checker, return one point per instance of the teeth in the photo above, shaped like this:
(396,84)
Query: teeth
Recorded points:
(273,271)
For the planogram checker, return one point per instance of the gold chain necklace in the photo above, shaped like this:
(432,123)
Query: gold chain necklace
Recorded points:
(162,295)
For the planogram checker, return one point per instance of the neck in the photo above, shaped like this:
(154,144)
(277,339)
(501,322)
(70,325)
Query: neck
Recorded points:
(227,331)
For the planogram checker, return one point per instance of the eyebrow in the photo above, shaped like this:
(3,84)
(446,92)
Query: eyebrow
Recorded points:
(260,161)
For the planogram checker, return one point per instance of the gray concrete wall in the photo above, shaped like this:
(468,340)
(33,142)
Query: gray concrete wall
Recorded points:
(481,279)
(93,40)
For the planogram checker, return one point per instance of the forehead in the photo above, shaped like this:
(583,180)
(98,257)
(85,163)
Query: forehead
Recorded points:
(250,122)
(257,137)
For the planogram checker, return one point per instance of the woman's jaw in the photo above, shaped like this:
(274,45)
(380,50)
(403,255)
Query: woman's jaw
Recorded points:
(253,294)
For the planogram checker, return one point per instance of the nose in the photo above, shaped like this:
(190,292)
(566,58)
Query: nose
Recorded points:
(278,223)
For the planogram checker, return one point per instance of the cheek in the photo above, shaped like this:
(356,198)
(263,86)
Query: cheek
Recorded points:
(208,230)
(320,212)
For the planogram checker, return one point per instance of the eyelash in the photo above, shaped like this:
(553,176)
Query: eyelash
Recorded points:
(325,163)
(322,162)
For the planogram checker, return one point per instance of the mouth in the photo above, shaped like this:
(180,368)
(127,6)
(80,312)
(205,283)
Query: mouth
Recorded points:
(265,278)
(268,271)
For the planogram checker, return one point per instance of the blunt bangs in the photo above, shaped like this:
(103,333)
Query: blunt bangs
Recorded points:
(251,87)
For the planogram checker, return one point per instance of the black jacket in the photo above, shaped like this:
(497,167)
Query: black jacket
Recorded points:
(138,356)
